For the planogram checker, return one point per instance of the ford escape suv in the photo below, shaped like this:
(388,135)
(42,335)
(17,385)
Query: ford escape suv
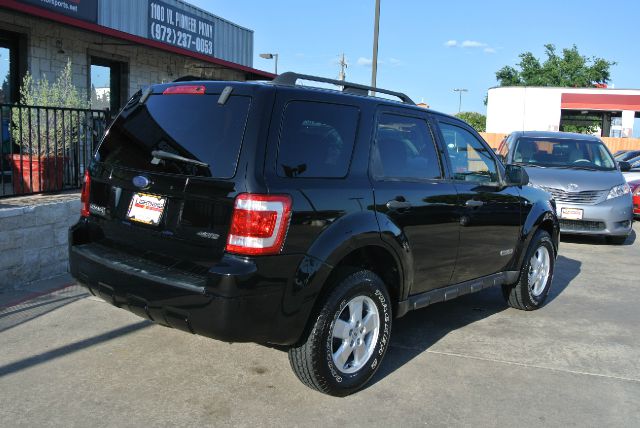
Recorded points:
(303,217)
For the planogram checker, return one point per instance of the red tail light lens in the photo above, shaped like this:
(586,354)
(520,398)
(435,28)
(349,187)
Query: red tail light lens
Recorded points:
(184,90)
(84,196)
(259,224)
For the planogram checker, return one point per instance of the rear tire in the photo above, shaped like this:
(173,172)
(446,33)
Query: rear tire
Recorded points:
(536,275)
(349,337)
(616,240)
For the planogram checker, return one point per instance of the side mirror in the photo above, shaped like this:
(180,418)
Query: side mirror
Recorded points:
(517,175)
(624,166)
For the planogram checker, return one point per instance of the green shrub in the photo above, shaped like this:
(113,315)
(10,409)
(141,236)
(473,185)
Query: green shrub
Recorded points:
(45,133)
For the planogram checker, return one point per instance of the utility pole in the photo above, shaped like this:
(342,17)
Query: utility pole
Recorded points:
(460,91)
(343,66)
(374,60)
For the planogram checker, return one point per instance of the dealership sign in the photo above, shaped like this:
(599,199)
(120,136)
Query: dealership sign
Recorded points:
(174,26)
(86,10)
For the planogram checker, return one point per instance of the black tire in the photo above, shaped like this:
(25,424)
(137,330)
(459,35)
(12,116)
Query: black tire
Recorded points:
(616,240)
(520,295)
(312,360)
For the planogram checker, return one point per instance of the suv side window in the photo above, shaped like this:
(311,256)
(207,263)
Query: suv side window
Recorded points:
(316,139)
(404,148)
(470,159)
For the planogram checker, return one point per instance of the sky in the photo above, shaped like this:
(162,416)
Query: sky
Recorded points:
(427,48)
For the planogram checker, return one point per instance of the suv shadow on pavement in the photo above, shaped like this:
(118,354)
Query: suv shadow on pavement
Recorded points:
(419,330)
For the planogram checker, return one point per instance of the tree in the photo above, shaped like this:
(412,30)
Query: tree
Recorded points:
(33,125)
(571,69)
(476,120)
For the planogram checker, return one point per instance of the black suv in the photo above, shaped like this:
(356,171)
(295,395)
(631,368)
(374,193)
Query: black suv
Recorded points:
(303,217)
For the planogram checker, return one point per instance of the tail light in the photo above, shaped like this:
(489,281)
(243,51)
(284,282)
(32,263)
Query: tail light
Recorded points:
(259,224)
(636,191)
(84,196)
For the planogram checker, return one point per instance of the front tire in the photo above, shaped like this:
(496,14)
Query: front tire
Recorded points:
(349,337)
(536,275)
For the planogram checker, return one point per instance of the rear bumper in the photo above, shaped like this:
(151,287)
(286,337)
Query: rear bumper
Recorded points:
(234,301)
(613,217)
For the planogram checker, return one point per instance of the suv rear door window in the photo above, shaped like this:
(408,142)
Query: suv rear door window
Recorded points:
(316,139)
(405,149)
(191,126)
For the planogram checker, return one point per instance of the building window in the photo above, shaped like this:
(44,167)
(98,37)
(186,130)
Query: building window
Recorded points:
(10,67)
(107,89)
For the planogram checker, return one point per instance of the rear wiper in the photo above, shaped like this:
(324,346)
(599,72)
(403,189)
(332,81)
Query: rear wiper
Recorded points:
(161,154)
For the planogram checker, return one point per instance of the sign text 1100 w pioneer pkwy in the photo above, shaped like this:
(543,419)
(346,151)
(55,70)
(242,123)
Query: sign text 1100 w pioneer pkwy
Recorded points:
(174,26)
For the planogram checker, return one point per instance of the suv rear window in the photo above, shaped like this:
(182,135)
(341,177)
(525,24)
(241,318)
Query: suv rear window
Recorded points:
(191,126)
(316,139)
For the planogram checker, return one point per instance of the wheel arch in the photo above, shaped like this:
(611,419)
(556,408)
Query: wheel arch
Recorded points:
(541,217)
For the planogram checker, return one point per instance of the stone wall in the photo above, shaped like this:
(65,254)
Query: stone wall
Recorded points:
(50,45)
(33,237)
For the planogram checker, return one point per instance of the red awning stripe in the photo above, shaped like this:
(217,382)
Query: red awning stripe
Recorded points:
(600,102)
(46,14)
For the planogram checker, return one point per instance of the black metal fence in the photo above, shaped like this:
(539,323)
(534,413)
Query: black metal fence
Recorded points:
(46,149)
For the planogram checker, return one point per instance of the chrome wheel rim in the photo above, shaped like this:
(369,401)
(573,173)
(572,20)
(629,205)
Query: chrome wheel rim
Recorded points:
(354,334)
(539,268)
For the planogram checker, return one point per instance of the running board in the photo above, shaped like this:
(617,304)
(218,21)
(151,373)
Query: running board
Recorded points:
(450,292)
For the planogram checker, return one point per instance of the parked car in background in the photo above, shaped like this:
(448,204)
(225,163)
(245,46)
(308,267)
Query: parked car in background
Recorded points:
(634,163)
(619,153)
(578,170)
(635,192)
(628,154)
(634,172)
(303,217)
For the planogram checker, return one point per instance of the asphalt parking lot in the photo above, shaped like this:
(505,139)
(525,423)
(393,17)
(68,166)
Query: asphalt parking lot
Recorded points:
(73,360)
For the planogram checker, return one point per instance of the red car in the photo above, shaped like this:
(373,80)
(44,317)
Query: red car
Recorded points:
(635,191)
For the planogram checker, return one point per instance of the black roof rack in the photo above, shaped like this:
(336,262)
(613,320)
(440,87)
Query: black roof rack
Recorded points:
(289,79)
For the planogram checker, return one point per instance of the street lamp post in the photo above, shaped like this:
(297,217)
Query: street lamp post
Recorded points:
(271,56)
(460,91)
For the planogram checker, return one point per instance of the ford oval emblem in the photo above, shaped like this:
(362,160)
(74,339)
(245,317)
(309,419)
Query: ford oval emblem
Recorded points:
(141,182)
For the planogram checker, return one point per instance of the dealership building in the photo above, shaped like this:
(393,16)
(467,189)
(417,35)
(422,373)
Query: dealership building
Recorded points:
(611,112)
(117,47)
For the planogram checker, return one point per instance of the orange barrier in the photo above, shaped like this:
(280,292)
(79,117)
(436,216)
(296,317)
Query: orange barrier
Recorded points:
(614,144)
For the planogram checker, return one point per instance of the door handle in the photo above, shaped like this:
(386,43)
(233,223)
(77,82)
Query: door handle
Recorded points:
(396,204)
(472,203)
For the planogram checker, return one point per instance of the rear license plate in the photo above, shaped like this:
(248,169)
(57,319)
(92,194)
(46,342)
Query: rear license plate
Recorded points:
(147,209)
(571,213)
